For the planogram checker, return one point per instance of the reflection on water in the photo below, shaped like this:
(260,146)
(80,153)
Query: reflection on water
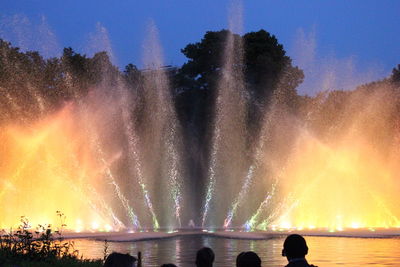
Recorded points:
(323,251)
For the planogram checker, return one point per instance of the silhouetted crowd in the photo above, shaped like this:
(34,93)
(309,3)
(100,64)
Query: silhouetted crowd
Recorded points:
(294,249)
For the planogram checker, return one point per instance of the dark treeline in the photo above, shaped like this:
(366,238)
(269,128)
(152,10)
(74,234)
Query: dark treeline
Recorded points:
(31,86)
(26,78)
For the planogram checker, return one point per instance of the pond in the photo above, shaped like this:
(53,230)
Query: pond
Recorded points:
(323,251)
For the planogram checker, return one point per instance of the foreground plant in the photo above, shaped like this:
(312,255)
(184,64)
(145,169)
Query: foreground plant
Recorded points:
(41,247)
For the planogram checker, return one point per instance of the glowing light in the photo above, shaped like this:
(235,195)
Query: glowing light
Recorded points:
(345,185)
(41,175)
(95,225)
(108,228)
(285,225)
(79,226)
(247,226)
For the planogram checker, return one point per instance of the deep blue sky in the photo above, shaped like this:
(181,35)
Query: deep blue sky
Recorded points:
(332,40)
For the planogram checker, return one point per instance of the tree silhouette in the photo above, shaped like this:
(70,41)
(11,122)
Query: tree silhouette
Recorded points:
(396,74)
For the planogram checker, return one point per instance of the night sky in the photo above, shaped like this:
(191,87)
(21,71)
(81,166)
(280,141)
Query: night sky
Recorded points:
(338,43)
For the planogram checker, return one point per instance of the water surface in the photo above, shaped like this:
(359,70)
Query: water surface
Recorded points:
(323,251)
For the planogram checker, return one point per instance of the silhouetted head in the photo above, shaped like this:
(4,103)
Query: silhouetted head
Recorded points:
(238,257)
(168,265)
(120,260)
(205,257)
(294,247)
(248,259)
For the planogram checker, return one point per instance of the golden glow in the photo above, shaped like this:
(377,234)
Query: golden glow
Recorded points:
(48,167)
(340,170)
(95,225)
(345,185)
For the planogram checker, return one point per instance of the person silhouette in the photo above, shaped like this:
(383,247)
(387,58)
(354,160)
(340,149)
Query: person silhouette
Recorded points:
(116,259)
(205,257)
(248,259)
(295,250)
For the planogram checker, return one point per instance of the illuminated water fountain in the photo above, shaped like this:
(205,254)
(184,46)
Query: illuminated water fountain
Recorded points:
(112,160)
(92,161)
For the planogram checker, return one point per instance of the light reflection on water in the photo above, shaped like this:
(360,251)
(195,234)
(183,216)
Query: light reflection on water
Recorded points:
(323,251)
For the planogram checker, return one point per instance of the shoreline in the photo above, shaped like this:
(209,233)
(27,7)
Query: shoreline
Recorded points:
(256,235)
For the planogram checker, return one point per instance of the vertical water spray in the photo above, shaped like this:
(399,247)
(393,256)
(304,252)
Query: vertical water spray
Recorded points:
(109,175)
(251,172)
(211,173)
(228,140)
(29,35)
(100,41)
(251,223)
(272,115)
(174,171)
(133,150)
(163,133)
(243,192)
(94,140)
